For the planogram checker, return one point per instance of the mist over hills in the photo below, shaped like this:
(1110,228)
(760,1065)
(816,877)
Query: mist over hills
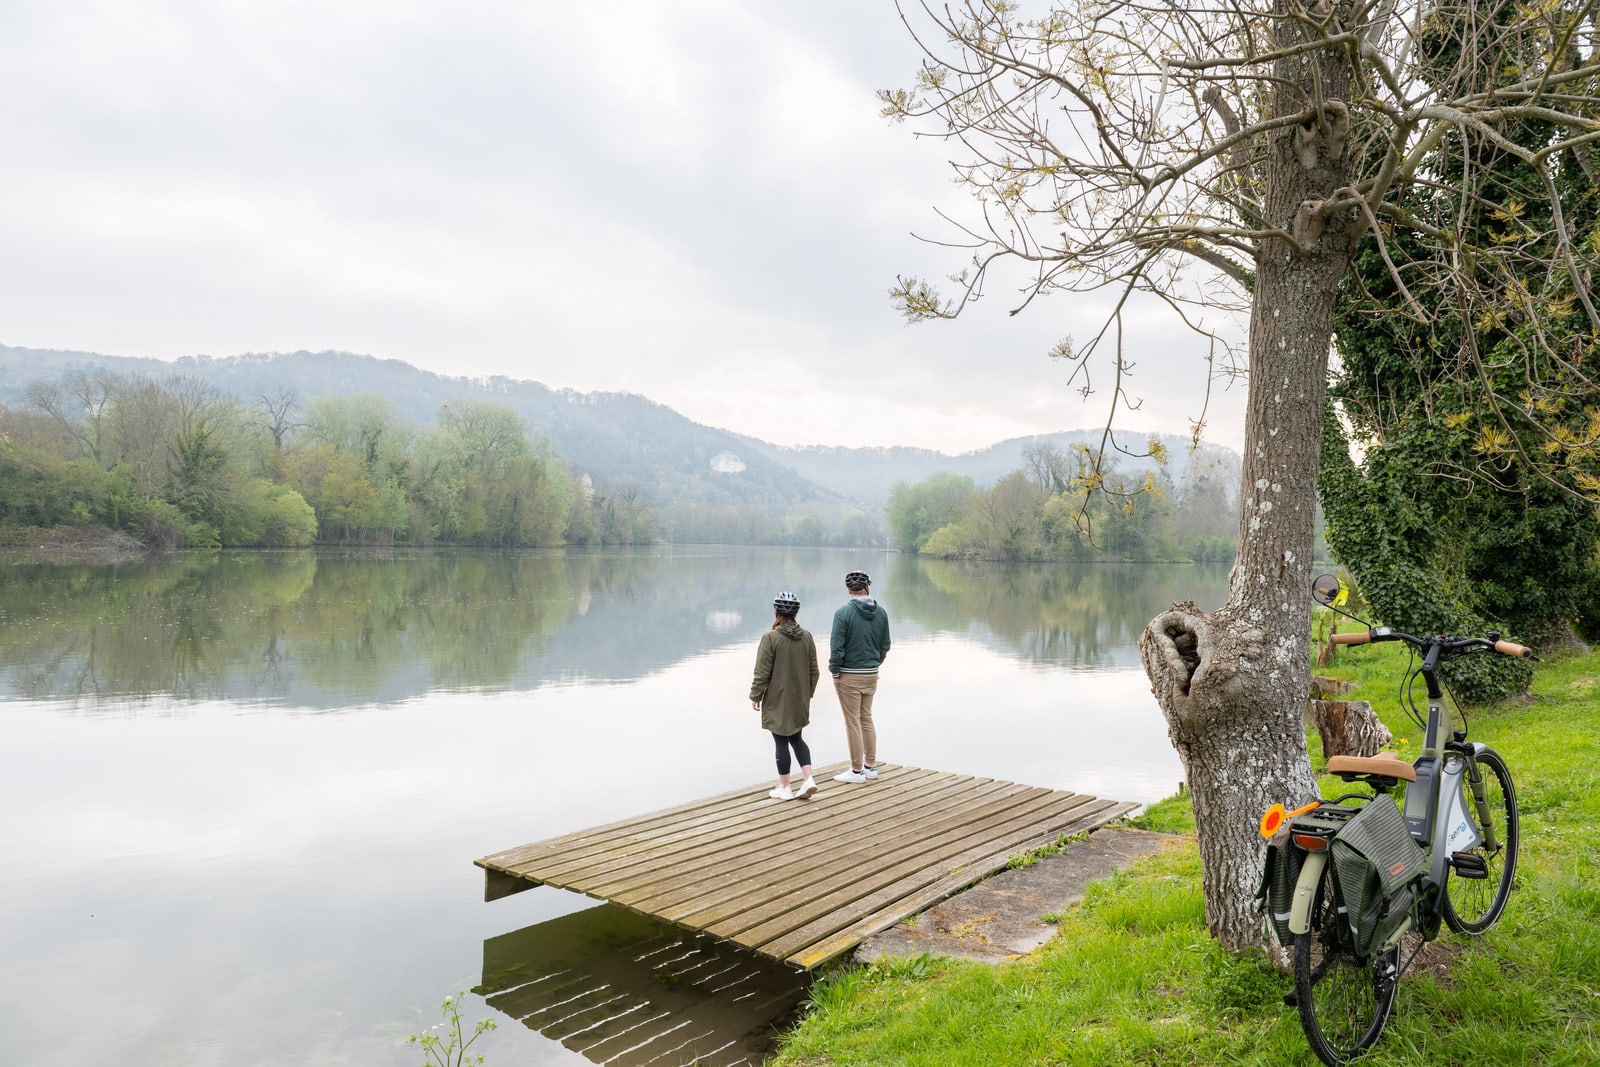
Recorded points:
(867,475)
(617,438)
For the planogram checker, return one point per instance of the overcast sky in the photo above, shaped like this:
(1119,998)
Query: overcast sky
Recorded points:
(696,201)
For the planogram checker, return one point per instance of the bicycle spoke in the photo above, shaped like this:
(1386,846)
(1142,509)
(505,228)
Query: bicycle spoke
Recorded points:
(1343,1000)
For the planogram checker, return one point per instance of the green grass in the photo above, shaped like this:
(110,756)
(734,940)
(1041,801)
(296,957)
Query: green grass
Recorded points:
(1133,978)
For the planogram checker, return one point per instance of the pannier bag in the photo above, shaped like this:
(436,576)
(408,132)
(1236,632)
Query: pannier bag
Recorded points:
(1279,872)
(1281,868)
(1375,860)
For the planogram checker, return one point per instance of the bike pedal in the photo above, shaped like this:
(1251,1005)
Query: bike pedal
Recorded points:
(1469,865)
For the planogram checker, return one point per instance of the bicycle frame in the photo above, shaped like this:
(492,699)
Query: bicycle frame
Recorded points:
(1434,810)
(1440,769)
(1367,872)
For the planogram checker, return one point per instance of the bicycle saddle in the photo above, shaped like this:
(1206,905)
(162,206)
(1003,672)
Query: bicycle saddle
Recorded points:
(1351,767)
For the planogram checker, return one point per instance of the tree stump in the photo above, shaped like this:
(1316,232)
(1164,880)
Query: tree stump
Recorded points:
(1326,688)
(1348,728)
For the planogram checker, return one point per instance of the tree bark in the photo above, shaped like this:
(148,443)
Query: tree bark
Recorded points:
(1235,710)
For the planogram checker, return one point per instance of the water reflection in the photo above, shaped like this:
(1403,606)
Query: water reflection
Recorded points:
(621,989)
(189,811)
(1080,615)
(331,629)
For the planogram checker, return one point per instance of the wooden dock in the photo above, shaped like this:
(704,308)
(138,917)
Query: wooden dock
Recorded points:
(804,881)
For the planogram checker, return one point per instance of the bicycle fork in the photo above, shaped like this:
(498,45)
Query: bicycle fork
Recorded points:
(1480,801)
(1457,832)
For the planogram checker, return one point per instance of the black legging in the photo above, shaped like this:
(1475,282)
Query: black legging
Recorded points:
(802,751)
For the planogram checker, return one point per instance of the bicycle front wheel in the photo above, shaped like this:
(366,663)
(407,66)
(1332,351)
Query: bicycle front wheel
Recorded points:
(1344,1001)
(1476,892)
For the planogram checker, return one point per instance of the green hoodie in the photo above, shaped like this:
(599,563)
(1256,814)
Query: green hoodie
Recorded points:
(860,640)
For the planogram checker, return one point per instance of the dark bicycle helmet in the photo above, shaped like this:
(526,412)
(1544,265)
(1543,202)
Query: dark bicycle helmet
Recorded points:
(786,603)
(856,581)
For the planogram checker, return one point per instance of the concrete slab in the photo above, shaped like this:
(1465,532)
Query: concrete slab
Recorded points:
(1001,918)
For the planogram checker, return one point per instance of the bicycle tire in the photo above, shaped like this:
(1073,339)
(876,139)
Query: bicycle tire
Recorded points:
(1344,1001)
(1472,905)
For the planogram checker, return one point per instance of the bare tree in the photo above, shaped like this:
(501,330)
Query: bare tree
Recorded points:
(201,406)
(142,425)
(1246,152)
(1207,492)
(1048,466)
(277,413)
(80,405)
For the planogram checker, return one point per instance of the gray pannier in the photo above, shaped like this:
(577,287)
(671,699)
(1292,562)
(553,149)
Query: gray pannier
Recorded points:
(1374,862)
(1279,872)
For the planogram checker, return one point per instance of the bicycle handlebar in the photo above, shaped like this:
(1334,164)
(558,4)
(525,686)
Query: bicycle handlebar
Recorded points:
(1448,646)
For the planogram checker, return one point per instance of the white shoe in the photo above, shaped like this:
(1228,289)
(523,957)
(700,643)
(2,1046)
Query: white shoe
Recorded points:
(870,771)
(783,792)
(852,777)
(807,787)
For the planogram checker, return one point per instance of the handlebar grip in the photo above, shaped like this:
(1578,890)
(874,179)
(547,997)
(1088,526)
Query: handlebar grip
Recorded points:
(1510,648)
(1355,637)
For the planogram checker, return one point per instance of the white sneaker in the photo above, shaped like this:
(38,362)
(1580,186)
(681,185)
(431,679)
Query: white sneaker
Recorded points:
(807,787)
(850,776)
(783,792)
(870,772)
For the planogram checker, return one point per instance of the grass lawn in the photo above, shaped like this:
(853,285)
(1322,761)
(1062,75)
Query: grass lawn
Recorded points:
(1133,978)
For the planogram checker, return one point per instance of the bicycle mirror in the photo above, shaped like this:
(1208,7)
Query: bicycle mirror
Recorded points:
(1326,589)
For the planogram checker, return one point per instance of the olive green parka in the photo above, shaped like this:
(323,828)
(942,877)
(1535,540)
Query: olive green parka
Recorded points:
(786,678)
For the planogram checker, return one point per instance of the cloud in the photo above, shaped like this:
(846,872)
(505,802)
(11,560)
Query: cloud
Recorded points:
(696,201)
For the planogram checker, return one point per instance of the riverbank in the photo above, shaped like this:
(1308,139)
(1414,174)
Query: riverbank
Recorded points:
(1132,978)
(73,544)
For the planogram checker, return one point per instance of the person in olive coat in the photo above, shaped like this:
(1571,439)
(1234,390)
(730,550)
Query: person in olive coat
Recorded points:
(785,680)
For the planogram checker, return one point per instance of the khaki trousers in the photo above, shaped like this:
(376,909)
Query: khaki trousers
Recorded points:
(855,700)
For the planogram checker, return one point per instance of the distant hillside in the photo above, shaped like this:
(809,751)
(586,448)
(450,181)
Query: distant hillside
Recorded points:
(867,475)
(618,438)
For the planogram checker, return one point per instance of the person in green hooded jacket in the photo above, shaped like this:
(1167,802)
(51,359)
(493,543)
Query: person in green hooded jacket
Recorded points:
(785,680)
(857,647)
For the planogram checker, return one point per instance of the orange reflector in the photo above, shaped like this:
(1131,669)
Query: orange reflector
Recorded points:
(1310,842)
(1273,819)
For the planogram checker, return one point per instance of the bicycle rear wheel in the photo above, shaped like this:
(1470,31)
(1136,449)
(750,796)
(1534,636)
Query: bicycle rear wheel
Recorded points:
(1344,1001)
(1473,902)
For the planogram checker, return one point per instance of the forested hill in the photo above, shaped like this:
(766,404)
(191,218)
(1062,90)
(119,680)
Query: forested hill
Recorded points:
(618,438)
(867,475)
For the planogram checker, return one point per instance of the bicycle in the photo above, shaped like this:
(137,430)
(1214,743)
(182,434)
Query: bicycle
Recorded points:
(1350,880)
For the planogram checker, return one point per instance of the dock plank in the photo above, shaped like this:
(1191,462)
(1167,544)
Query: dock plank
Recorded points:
(863,874)
(763,924)
(772,867)
(805,881)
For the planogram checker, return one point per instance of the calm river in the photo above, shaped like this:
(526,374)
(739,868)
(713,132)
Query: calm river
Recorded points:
(242,793)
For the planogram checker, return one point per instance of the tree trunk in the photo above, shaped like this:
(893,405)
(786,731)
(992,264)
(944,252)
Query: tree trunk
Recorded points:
(1235,709)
